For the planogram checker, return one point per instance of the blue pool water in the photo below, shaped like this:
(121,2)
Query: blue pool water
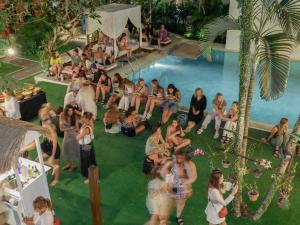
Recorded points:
(222,76)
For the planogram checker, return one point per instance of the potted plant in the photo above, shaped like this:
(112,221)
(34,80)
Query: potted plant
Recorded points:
(257,173)
(253,193)
(225,162)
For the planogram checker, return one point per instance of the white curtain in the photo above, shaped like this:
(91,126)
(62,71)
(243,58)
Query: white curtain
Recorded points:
(113,23)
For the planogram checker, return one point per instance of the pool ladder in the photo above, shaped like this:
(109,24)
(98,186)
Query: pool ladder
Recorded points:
(134,72)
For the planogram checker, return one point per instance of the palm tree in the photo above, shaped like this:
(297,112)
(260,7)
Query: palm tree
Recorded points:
(273,33)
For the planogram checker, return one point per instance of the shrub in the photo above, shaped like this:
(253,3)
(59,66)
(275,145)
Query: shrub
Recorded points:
(31,36)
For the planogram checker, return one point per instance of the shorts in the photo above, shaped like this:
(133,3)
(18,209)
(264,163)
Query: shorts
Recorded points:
(47,147)
(172,106)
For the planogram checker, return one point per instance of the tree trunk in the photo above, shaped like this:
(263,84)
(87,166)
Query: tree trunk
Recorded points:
(281,172)
(245,60)
(150,11)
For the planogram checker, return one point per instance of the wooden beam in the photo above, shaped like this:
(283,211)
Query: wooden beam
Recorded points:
(95,195)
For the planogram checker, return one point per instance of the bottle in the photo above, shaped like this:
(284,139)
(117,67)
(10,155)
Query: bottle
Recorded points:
(61,77)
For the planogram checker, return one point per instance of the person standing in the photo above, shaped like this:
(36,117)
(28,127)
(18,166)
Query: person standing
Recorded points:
(216,202)
(70,147)
(85,139)
(184,173)
(11,106)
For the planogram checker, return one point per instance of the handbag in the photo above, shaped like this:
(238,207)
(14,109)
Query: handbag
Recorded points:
(148,165)
(223,212)
(86,147)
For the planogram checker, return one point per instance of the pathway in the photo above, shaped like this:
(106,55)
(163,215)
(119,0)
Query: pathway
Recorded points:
(29,67)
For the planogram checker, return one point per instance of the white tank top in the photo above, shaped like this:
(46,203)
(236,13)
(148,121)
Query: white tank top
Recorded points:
(88,138)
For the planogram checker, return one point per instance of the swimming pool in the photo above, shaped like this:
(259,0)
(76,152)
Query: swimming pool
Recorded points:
(222,76)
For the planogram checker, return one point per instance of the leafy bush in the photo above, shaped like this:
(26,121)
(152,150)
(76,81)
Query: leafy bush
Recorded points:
(31,36)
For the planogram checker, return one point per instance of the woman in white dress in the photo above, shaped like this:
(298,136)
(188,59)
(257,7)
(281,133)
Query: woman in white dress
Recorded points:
(11,106)
(85,99)
(158,202)
(216,189)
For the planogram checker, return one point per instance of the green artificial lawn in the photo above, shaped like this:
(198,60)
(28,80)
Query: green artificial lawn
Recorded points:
(6,68)
(124,186)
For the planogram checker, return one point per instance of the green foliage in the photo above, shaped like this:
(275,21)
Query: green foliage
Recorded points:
(32,35)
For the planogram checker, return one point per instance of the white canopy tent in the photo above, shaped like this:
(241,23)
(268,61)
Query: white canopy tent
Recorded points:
(113,19)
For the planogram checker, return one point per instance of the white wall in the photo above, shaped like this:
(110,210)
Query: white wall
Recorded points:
(233,37)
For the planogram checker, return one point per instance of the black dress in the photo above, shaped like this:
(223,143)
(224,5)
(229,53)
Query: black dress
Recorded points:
(199,106)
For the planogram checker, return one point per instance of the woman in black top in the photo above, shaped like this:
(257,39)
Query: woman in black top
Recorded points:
(197,108)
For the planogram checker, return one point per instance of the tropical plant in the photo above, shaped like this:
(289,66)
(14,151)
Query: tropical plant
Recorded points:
(61,18)
(272,27)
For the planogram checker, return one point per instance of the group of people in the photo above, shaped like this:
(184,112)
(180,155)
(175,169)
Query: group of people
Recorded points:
(167,159)
(100,53)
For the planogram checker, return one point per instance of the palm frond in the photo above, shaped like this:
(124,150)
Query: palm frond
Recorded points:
(274,53)
(288,14)
(212,30)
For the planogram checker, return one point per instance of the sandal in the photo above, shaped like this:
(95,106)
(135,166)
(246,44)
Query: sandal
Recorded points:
(72,168)
(102,102)
(179,221)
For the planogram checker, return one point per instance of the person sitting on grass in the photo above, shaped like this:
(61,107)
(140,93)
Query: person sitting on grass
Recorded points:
(112,119)
(230,123)
(156,148)
(55,64)
(171,103)
(118,89)
(175,136)
(85,139)
(132,124)
(43,214)
(124,45)
(155,98)
(218,111)
(104,87)
(278,137)
(197,108)
(140,94)
(125,100)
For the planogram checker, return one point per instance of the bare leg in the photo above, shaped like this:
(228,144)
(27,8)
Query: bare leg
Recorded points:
(132,103)
(97,93)
(185,143)
(55,173)
(153,220)
(166,116)
(139,129)
(179,207)
(191,124)
(147,105)
(137,103)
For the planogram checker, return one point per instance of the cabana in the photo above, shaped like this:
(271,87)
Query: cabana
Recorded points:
(113,19)
(22,179)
